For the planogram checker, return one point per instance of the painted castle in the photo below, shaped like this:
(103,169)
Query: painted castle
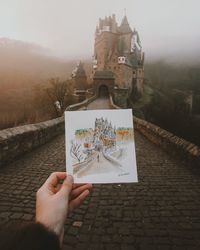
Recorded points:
(104,134)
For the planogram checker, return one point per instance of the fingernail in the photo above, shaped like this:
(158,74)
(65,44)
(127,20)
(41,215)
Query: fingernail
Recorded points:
(70,178)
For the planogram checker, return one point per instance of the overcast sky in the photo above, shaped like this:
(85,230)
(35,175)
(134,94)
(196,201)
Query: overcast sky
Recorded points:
(67,26)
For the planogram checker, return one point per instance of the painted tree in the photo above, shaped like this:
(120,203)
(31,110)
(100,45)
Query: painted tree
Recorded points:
(76,152)
(123,133)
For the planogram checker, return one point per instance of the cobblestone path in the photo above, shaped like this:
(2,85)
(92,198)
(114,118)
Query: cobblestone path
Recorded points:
(101,103)
(162,211)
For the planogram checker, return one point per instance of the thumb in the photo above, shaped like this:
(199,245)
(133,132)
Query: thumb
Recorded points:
(67,185)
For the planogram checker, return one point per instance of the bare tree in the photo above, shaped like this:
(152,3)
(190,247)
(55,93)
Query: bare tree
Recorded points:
(57,93)
(75,151)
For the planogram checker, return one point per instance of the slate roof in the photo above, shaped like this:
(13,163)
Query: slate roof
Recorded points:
(124,27)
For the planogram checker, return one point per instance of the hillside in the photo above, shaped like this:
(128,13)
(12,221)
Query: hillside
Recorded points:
(172,98)
(23,64)
(24,67)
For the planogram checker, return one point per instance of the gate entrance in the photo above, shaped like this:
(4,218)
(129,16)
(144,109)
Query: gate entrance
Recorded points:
(103,91)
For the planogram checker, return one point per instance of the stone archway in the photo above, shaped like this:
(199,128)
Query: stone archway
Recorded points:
(104,83)
(103,91)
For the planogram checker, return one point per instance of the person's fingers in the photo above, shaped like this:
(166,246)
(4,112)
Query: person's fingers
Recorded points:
(75,185)
(80,189)
(54,178)
(50,184)
(78,201)
(67,186)
(58,187)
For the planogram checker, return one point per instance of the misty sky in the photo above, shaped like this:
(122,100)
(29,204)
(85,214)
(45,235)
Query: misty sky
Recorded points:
(67,26)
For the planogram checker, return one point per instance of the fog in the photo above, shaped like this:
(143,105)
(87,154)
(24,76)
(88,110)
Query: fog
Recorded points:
(168,29)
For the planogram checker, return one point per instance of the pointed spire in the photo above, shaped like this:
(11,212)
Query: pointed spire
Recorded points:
(124,27)
(79,70)
(124,11)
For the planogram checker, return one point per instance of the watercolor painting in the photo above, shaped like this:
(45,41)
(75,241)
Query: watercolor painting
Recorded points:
(100,146)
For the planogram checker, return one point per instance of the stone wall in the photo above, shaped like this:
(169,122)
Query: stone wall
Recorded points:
(168,141)
(81,104)
(120,97)
(124,76)
(19,140)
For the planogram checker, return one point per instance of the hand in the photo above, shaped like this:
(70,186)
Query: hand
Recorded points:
(54,201)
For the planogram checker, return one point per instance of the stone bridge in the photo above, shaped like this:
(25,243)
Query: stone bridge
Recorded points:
(161,211)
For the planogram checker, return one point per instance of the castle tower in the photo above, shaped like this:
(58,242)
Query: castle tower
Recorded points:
(79,77)
(118,50)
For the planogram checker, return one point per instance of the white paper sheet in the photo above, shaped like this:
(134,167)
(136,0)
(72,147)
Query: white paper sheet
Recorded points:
(100,146)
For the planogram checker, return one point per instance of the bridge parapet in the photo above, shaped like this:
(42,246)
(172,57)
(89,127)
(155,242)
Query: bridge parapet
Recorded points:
(81,104)
(21,139)
(168,141)
(18,140)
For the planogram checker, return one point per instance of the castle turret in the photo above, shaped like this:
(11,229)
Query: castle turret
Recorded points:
(124,27)
(79,76)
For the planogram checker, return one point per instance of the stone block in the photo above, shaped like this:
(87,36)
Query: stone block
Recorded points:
(18,140)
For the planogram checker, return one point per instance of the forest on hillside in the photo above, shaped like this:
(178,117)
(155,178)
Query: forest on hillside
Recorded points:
(30,83)
(174,103)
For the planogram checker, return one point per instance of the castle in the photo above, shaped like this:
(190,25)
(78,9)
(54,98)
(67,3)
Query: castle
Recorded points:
(104,133)
(118,63)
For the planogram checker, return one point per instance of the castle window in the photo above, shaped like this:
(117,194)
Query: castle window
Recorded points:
(114,67)
(121,59)
(106,28)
